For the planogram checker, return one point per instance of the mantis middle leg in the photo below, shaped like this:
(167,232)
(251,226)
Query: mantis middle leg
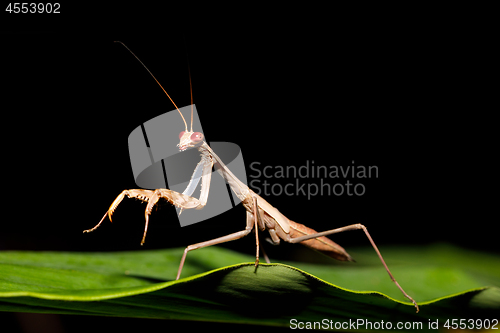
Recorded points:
(252,221)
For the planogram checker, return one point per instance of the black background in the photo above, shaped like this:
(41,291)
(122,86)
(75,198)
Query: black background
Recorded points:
(413,99)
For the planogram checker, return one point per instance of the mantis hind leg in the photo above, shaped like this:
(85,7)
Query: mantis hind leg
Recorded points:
(355,227)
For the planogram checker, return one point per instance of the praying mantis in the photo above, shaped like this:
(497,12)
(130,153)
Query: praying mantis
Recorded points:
(260,215)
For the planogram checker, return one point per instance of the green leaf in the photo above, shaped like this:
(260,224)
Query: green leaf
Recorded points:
(447,282)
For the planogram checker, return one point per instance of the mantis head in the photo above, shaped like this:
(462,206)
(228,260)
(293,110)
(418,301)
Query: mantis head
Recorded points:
(189,139)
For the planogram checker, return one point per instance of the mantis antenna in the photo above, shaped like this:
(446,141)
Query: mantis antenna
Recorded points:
(191,90)
(116,41)
(190,84)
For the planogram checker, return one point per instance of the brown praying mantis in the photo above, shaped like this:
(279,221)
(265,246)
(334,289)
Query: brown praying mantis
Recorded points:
(260,214)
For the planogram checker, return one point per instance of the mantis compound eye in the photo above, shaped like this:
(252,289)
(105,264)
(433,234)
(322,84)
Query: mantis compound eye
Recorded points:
(181,134)
(196,137)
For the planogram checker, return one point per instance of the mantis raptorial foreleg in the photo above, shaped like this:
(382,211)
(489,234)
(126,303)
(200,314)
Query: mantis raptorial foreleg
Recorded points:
(151,197)
(137,194)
